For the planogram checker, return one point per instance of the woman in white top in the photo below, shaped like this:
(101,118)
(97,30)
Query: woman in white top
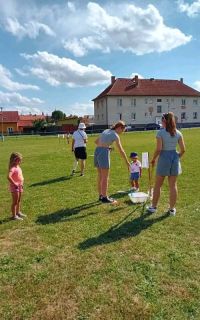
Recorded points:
(79,140)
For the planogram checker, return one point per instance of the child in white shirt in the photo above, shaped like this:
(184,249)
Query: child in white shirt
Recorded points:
(135,170)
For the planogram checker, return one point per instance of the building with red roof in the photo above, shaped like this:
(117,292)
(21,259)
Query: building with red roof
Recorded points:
(12,122)
(142,101)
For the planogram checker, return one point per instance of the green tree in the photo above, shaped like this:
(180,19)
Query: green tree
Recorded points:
(58,115)
(39,124)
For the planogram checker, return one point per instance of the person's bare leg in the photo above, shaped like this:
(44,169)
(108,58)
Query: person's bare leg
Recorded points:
(82,166)
(173,191)
(104,181)
(15,198)
(156,191)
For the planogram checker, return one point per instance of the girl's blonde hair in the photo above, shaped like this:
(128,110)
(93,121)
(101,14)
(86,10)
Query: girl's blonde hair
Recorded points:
(13,158)
(170,123)
(119,124)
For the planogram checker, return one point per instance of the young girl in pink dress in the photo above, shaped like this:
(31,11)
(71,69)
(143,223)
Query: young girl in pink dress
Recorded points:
(16,180)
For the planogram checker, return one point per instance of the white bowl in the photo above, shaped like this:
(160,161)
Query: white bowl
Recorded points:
(138,197)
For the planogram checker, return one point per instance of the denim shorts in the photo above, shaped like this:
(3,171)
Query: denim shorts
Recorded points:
(102,158)
(134,176)
(168,163)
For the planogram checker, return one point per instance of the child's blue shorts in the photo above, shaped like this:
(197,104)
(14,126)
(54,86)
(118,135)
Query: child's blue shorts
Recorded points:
(168,163)
(134,176)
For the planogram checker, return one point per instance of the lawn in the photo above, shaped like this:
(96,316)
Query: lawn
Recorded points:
(75,258)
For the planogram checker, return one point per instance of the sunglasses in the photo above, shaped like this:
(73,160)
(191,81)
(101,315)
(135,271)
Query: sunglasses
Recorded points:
(165,116)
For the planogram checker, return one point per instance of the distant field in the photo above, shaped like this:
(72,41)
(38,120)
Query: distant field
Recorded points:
(75,258)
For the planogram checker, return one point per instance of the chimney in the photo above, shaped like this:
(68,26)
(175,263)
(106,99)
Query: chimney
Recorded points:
(135,80)
(181,80)
(112,79)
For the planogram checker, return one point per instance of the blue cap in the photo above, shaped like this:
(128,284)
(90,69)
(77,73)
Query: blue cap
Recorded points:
(133,155)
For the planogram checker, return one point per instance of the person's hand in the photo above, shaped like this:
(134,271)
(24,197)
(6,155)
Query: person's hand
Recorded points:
(153,161)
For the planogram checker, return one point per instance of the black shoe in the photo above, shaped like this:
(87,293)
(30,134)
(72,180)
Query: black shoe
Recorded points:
(107,200)
(100,197)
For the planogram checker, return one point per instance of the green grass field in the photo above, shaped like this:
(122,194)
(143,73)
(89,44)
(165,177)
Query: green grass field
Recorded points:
(75,258)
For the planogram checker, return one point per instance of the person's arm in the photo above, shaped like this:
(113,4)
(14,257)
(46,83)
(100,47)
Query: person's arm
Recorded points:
(140,171)
(10,179)
(181,144)
(157,151)
(96,141)
(85,138)
(122,152)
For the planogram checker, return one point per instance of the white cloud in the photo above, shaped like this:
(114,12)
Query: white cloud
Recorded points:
(132,29)
(15,99)
(57,71)
(197,85)
(7,83)
(30,29)
(117,27)
(71,6)
(21,72)
(133,74)
(81,109)
(28,110)
(192,10)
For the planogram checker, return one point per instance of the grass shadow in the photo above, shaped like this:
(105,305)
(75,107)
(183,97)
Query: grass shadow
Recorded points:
(63,215)
(43,183)
(122,230)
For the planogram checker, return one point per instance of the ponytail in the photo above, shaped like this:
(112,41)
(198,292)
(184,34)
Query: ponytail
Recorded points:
(170,123)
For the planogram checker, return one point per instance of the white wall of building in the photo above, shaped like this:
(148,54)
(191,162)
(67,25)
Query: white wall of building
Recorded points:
(143,110)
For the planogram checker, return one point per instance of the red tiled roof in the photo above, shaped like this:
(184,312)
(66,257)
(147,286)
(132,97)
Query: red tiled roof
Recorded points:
(26,123)
(148,87)
(31,117)
(10,116)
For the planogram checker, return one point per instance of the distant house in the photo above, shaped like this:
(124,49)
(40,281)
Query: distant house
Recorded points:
(11,122)
(26,122)
(142,101)
(69,124)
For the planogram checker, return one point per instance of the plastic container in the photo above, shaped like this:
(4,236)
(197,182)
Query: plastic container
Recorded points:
(138,197)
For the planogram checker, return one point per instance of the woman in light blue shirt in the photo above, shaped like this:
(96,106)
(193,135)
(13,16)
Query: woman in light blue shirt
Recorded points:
(102,157)
(168,161)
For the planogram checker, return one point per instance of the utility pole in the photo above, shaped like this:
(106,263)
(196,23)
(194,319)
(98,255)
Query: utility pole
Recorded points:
(2,137)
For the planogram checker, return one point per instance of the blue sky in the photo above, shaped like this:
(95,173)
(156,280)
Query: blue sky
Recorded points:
(61,54)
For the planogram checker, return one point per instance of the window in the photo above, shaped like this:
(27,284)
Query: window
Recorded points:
(146,100)
(102,116)
(159,109)
(159,100)
(119,102)
(183,102)
(98,117)
(120,116)
(194,115)
(133,115)
(195,102)
(146,114)
(133,102)
(183,116)
(97,104)
(102,103)
(10,130)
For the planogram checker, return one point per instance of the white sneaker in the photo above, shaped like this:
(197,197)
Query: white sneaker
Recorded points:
(172,212)
(17,218)
(21,215)
(151,209)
